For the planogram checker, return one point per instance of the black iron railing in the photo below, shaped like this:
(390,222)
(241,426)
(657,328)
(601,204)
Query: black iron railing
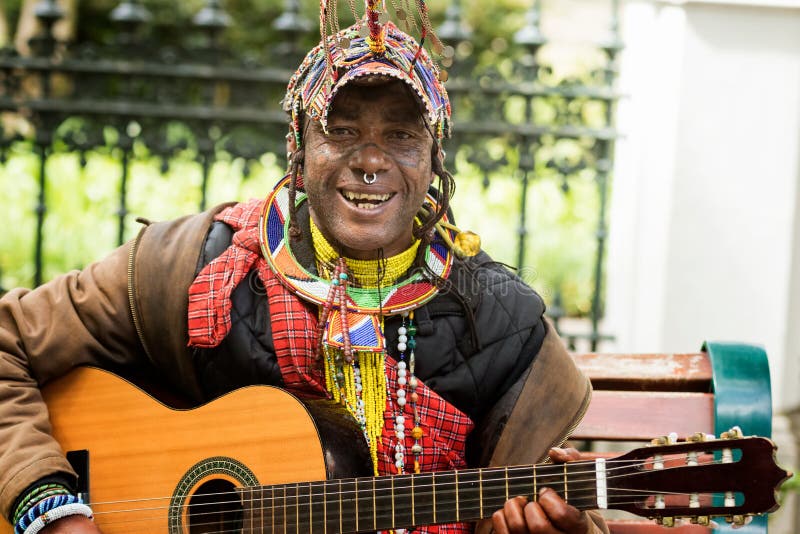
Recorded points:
(221,105)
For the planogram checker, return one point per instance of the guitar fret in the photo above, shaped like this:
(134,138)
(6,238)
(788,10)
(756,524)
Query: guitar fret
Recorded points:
(424,499)
(331,507)
(374,506)
(279,509)
(356,495)
(258,507)
(272,508)
(392,484)
(317,503)
(469,494)
(480,491)
(413,512)
(535,492)
(444,510)
(550,477)
(283,526)
(495,490)
(349,506)
(340,507)
(404,500)
(566,487)
(458,513)
(365,504)
(433,486)
(384,503)
(297,508)
(247,506)
(310,507)
(505,479)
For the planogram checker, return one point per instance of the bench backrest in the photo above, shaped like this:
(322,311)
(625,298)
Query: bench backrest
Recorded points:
(638,397)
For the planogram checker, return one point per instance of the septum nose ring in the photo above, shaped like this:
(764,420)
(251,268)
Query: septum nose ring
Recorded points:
(368,180)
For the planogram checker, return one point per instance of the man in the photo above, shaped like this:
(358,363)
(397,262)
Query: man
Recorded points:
(347,282)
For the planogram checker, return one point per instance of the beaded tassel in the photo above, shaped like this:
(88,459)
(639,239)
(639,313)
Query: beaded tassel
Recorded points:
(416,432)
(361,387)
(405,377)
(333,292)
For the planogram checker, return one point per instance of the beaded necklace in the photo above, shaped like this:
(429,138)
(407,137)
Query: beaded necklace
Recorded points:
(350,338)
(360,384)
(367,273)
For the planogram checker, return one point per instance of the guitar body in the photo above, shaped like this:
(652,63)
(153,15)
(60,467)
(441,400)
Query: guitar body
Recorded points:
(146,461)
(258,460)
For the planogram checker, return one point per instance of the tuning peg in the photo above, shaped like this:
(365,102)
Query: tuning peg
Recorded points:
(703,520)
(739,520)
(733,433)
(699,437)
(666,521)
(670,439)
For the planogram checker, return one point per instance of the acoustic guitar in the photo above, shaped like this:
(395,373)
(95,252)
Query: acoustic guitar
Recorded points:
(260,460)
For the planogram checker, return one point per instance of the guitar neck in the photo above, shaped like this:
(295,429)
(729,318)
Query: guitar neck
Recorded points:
(402,501)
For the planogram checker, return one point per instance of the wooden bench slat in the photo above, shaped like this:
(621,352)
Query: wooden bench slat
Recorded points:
(647,372)
(642,527)
(641,416)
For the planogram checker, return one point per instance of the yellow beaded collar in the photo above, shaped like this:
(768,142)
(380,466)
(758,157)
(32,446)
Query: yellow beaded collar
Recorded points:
(365,272)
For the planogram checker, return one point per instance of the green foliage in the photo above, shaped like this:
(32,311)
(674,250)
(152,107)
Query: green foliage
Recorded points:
(790,486)
(81,224)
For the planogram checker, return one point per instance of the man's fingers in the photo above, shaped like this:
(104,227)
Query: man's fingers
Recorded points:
(560,455)
(561,515)
(537,520)
(510,518)
(499,523)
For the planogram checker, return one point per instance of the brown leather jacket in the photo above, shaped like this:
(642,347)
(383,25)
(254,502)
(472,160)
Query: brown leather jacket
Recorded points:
(111,315)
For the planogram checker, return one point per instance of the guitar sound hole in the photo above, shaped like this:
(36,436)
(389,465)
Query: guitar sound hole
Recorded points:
(215,507)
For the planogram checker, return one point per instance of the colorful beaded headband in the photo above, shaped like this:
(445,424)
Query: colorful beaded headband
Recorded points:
(368,48)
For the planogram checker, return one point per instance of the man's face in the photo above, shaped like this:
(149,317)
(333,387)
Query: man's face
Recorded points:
(371,129)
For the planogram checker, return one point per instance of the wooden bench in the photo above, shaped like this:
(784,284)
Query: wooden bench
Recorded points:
(638,397)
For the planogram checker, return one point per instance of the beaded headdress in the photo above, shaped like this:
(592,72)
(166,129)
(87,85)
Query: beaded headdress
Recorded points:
(373,46)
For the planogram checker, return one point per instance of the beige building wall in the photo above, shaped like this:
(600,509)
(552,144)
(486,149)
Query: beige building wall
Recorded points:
(705,220)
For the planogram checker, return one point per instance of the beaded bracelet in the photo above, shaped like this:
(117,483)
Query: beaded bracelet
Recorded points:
(58,513)
(46,508)
(37,494)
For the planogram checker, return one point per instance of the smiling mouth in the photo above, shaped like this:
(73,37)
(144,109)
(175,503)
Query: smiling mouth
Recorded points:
(366,200)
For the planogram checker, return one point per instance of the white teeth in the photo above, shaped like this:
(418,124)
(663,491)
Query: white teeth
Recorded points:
(367,206)
(351,195)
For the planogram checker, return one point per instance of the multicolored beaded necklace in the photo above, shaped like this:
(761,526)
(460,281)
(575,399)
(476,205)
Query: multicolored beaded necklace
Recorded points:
(350,337)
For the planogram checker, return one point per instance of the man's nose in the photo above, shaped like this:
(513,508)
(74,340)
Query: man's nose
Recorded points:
(369,158)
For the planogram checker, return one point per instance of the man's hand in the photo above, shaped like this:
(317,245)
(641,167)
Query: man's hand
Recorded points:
(549,515)
(72,524)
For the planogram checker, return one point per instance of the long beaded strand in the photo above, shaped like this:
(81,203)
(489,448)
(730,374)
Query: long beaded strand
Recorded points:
(416,432)
(405,377)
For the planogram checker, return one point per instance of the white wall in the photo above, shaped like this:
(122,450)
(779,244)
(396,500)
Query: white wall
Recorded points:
(704,220)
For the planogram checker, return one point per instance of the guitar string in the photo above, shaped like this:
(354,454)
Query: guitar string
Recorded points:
(525,471)
(466,507)
(292,503)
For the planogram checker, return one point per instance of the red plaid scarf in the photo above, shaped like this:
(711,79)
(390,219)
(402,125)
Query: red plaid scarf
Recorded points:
(293,327)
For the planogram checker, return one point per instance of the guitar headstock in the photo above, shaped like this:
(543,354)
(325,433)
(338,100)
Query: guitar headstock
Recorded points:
(733,477)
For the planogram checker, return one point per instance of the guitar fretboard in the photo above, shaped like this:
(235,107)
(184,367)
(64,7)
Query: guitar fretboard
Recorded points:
(402,501)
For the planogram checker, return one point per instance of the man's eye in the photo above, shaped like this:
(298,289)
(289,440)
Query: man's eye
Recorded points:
(401,134)
(339,131)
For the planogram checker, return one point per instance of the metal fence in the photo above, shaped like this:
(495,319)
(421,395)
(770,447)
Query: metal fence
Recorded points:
(223,105)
